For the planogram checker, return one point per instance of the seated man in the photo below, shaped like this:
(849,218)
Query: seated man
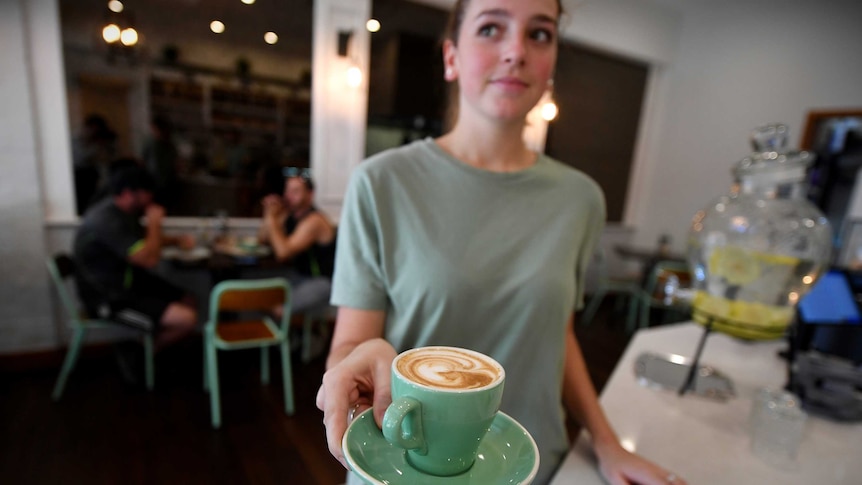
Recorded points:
(303,235)
(114,254)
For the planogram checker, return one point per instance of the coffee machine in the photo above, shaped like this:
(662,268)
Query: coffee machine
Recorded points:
(825,354)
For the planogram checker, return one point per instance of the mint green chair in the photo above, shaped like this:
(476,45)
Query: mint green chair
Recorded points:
(62,267)
(621,287)
(248,324)
(665,278)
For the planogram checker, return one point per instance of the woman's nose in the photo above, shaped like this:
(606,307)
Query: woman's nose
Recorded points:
(514,50)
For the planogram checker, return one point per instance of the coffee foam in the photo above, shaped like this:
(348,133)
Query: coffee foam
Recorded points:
(448,368)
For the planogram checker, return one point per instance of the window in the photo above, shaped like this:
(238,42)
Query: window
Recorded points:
(215,116)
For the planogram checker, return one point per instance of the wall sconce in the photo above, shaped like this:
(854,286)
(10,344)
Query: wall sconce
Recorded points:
(354,73)
(344,37)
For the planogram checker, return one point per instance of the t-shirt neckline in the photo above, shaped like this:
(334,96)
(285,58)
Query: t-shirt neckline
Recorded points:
(442,154)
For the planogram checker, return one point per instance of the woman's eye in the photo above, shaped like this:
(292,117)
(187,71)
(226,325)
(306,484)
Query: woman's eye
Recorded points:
(542,35)
(489,30)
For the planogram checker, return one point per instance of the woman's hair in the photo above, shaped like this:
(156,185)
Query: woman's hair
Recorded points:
(453,29)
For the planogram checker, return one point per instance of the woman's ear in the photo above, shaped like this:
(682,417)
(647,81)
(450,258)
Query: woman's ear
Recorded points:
(450,68)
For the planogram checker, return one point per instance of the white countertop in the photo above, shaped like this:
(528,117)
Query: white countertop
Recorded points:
(706,441)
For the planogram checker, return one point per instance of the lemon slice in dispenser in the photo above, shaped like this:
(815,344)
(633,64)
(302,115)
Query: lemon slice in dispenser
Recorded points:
(734,264)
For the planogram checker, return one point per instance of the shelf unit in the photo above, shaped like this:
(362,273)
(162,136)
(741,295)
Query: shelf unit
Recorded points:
(204,108)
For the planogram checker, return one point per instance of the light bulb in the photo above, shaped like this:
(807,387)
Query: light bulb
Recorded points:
(248,2)
(129,36)
(115,6)
(373,25)
(354,76)
(111,33)
(270,38)
(217,27)
(549,111)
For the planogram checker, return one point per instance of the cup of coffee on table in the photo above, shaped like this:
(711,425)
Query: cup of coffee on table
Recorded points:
(444,400)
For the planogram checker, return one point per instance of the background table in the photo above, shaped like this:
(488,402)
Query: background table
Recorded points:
(705,441)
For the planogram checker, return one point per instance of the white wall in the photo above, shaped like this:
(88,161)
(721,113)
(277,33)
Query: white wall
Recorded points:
(741,64)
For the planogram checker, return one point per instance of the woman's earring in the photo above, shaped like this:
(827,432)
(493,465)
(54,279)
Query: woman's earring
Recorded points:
(449,75)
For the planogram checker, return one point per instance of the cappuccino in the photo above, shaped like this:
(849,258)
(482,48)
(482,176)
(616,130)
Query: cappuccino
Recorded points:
(448,368)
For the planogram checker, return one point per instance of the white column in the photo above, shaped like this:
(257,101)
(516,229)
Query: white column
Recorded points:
(338,110)
(42,24)
(26,321)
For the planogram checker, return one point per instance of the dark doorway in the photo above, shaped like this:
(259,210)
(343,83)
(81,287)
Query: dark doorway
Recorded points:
(600,98)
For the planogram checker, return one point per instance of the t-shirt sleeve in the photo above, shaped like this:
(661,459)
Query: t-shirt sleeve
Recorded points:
(358,281)
(592,234)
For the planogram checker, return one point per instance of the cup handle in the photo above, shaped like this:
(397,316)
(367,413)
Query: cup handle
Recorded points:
(402,424)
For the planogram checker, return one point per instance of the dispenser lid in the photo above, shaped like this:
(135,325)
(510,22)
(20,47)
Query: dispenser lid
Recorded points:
(771,158)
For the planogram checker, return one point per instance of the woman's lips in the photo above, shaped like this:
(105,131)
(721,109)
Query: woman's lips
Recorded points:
(510,83)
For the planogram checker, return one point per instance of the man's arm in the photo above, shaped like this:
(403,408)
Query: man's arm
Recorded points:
(149,253)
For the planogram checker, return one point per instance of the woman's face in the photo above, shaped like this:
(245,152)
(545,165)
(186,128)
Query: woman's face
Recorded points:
(504,57)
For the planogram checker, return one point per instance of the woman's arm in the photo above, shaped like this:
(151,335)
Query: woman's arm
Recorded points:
(619,466)
(357,375)
(579,395)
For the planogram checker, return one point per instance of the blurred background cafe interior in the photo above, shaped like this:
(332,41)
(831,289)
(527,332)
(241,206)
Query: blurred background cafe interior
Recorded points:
(655,100)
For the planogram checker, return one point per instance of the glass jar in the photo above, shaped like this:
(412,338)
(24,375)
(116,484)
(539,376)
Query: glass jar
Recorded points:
(756,251)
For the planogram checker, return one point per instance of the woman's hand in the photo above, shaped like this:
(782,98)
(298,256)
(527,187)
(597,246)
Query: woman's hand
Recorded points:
(621,467)
(357,382)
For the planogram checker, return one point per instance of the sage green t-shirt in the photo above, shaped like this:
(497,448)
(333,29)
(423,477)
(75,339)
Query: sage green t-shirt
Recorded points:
(466,257)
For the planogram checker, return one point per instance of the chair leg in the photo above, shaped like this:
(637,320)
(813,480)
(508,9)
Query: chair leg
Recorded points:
(307,327)
(592,307)
(632,318)
(149,368)
(212,377)
(646,309)
(205,366)
(287,377)
(264,365)
(69,362)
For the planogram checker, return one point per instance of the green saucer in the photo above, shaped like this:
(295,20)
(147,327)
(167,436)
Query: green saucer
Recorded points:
(507,454)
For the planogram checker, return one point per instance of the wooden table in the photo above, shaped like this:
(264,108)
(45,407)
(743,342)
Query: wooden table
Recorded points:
(705,441)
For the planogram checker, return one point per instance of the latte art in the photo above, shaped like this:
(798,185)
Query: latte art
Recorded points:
(448,368)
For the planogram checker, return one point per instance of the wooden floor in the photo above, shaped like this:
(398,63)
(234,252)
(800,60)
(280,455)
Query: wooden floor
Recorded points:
(108,431)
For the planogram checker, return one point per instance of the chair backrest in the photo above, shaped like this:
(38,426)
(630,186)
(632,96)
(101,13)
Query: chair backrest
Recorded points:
(250,295)
(61,267)
(665,272)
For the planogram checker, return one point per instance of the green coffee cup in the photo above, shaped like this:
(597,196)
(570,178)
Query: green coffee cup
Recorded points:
(444,400)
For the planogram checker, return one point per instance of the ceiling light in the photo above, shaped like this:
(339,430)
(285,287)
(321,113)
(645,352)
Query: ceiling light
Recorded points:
(270,38)
(115,6)
(373,25)
(248,2)
(111,33)
(216,26)
(129,36)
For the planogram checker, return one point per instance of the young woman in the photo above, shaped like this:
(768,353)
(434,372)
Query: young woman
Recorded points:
(473,240)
